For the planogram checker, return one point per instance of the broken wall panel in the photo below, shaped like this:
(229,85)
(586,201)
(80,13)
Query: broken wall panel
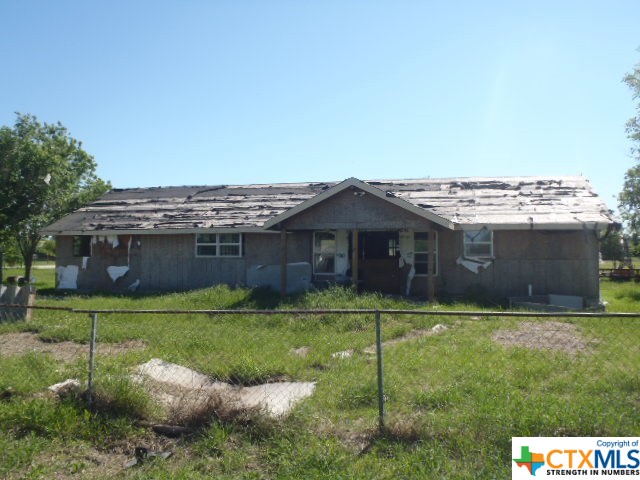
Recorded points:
(114,263)
(298,277)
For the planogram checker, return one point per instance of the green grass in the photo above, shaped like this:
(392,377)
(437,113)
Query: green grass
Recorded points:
(45,276)
(620,296)
(454,400)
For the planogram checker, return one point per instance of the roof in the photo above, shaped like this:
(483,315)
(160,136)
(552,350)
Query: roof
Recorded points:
(497,202)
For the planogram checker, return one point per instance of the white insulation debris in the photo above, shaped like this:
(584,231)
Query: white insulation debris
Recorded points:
(172,385)
(406,245)
(116,272)
(473,265)
(342,252)
(68,277)
(113,240)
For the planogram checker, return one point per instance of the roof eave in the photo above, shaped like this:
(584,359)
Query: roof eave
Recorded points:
(155,231)
(601,225)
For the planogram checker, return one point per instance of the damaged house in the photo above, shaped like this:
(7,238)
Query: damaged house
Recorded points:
(503,236)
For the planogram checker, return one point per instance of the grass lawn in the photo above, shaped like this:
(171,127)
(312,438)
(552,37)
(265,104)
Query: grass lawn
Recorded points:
(454,400)
(44,274)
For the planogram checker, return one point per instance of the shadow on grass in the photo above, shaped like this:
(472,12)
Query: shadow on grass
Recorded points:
(264,298)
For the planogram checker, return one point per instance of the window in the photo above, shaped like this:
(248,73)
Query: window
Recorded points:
(478,244)
(324,253)
(82,246)
(421,253)
(219,245)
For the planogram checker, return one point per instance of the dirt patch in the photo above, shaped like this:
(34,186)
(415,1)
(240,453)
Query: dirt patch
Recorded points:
(548,335)
(16,344)
(79,460)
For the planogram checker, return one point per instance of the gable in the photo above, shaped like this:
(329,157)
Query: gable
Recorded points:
(352,194)
(353,209)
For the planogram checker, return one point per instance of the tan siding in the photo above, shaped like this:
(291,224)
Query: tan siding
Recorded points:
(348,211)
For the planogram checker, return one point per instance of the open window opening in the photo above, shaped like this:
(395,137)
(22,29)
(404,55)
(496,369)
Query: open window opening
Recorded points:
(82,246)
(324,253)
(421,253)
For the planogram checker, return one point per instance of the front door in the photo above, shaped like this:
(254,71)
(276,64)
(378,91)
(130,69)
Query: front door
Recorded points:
(378,253)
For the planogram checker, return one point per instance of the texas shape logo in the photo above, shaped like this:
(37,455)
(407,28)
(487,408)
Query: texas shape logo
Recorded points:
(533,461)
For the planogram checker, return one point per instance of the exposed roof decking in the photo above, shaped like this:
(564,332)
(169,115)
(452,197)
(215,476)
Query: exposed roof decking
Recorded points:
(514,202)
(148,210)
(501,202)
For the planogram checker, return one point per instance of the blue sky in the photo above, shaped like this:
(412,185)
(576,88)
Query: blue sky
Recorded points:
(227,92)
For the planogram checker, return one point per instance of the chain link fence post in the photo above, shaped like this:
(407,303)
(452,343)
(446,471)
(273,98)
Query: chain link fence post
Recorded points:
(381,412)
(92,353)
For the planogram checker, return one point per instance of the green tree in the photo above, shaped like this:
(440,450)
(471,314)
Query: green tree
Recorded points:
(612,246)
(47,247)
(629,198)
(44,175)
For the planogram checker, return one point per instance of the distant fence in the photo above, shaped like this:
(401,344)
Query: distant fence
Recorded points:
(20,297)
(621,273)
(499,358)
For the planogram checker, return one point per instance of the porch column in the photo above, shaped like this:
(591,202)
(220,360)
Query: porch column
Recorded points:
(283,263)
(431,294)
(354,258)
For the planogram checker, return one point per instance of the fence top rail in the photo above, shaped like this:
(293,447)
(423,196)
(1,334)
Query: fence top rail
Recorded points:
(357,311)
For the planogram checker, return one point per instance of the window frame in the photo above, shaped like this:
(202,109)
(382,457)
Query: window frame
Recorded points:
(218,244)
(436,256)
(317,252)
(466,242)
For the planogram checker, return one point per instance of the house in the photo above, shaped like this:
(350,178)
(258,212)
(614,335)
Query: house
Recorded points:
(503,236)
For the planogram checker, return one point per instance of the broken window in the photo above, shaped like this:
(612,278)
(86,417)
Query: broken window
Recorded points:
(324,253)
(421,253)
(219,245)
(478,244)
(82,246)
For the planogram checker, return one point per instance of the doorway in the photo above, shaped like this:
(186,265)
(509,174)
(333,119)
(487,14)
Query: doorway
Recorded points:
(378,254)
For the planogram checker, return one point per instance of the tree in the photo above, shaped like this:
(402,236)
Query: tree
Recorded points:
(629,198)
(612,246)
(47,247)
(44,175)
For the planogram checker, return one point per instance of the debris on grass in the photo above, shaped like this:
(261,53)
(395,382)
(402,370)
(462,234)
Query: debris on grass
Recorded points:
(191,398)
(143,454)
(301,351)
(7,393)
(344,354)
(67,388)
(424,332)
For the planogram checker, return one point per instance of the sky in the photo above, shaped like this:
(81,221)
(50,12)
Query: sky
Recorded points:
(233,92)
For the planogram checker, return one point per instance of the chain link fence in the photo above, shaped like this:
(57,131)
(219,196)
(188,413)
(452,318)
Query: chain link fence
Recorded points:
(407,373)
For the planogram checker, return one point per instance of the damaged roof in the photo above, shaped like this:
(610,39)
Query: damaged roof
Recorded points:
(498,202)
